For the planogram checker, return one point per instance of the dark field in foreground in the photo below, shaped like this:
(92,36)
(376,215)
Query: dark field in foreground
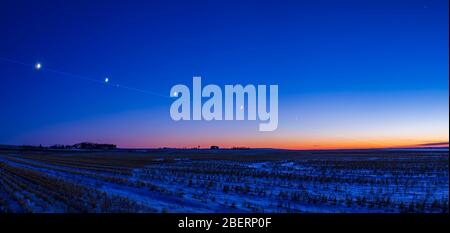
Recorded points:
(223,181)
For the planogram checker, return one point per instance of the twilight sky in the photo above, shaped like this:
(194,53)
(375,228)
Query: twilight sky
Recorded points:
(351,74)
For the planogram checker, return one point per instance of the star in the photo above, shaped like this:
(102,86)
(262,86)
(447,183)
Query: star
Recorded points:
(106,80)
(38,66)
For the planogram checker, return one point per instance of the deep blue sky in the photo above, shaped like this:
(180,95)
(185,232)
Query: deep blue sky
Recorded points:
(346,70)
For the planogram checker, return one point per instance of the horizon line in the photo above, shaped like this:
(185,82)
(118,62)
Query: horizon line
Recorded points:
(421,146)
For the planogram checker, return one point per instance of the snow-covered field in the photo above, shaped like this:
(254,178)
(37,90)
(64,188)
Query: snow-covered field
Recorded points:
(224,181)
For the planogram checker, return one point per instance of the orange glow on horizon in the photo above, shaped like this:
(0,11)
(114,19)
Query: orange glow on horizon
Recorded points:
(299,145)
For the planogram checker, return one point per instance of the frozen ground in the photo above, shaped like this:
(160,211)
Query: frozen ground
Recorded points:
(224,181)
